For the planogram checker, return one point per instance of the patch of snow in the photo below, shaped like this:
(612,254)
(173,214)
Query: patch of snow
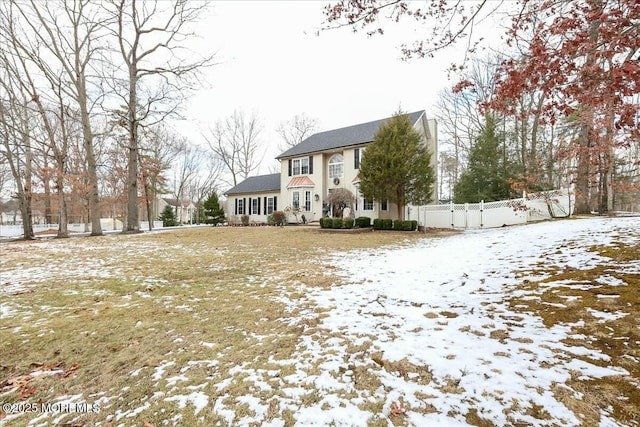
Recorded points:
(132,413)
(6,311)
(160,370)
(221,409)
(172,380)
(607,316)
(46,373)
(198,399)
(223,384)
(440,304)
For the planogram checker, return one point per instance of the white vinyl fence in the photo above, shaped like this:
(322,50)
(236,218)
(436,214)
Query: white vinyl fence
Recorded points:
(106,223)
(531,207)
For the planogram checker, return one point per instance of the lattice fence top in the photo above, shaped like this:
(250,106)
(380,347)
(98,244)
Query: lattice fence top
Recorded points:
(529,207)
(546,195)
(502,204)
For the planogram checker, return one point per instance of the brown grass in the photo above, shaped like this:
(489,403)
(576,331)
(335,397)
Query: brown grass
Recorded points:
(121,318)
(573,300)
(104,308)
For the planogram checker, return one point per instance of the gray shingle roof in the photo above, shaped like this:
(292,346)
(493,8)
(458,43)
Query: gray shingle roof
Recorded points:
(175,202)
(343,137)
(257,184)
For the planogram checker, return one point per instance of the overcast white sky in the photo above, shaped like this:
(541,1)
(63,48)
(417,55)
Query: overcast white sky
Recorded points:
(273,62)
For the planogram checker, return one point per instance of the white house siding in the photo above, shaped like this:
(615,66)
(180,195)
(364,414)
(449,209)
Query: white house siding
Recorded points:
(317,177)
(256,216)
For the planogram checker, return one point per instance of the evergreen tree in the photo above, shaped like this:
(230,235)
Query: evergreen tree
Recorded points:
(396,166)
(213,212)
(168,217)
(489,171)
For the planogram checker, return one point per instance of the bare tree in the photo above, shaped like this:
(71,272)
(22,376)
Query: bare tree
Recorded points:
(158,151)
(185,170)
(294,131)
(69,32)
(446,23)
(15,147)
(204,184)
(234,141)
(5,173)
(54,123)
(149,37)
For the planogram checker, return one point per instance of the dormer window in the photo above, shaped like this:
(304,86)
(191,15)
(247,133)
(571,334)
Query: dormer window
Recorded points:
(336,166)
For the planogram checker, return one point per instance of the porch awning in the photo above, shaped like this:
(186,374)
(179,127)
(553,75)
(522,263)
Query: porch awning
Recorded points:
(300,181)
(356,180)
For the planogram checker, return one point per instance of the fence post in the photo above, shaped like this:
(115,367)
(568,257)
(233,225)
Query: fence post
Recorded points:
(424,223)
(466,215)
(481,210)
(452,221)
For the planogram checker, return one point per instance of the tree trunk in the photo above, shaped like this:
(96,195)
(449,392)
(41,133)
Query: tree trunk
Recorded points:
(47,192)
(582,204)
(133,225)
(92,164)
(25,211)
(24,193)
(400,205)
(63,229)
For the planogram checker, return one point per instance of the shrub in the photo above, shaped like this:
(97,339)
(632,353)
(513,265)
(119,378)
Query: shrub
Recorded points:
(168,217)
(363,222)
(377,224)
(279,218)
(398,224)
(326,222)
(245,220)
(270,220)
(387,224)
(411,225)
(348,223)
(213,212)
(337,223)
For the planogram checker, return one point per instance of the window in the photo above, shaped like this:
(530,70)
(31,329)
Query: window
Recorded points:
(357,157)
(255,206)
(384,205)
(296,200)
(270,205)
(240,209)
(336,166)
(301,166)
(307,201)
(367,205)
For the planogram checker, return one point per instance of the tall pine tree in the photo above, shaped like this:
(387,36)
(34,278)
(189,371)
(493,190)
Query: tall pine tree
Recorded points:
(213,212)
(168,217)
(489,171)
(396,166)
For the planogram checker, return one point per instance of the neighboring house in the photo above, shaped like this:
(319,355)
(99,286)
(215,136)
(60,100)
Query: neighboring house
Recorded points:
(321,163)
(256,196)
(184,210)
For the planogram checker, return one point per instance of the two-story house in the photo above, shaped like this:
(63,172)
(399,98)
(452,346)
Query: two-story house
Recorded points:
(318,165)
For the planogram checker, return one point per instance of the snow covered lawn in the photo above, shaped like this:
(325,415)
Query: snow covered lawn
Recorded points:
(450,346)
(531,325)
